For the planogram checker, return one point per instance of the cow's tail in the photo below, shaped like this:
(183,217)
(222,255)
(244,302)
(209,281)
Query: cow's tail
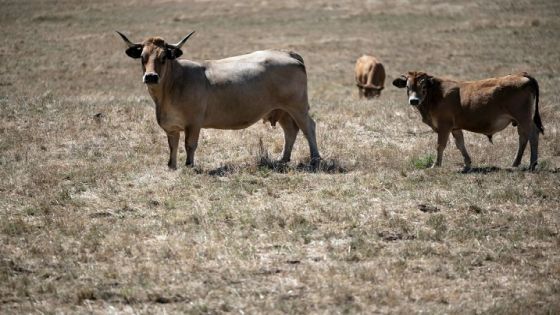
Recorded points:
(537,116)
(299,58)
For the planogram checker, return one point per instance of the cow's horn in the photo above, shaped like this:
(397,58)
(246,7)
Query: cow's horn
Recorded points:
(183,41)
(128,42)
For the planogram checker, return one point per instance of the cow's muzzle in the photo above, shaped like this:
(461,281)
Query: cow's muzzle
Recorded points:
(151,78)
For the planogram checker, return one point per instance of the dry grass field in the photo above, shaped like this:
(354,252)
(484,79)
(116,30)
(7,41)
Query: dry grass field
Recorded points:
(92,221)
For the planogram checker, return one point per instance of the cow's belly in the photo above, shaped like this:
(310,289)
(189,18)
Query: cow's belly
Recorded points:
(232,124)
(489,127)
(238,118)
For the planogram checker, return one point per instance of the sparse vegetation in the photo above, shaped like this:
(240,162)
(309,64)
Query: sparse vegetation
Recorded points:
(91,220)
(423,162)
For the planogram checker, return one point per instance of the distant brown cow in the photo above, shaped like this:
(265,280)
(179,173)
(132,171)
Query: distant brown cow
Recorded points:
(370,77)
(231,93)
(484,106)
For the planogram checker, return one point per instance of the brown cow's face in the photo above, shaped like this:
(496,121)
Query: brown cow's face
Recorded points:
(372,92)
(417,84)
(155,54)
(369,91)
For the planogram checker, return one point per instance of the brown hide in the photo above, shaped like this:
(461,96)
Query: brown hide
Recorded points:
(484,106)
(370,76)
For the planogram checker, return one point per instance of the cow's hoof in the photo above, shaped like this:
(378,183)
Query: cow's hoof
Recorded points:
(466,169)
(533,167)
(315,163)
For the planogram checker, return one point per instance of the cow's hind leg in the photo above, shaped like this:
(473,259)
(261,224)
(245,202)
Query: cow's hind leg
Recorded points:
(173,141)
(460,143)
(191,143)
(534,142)
(524,132)
(290,133)
(307,126)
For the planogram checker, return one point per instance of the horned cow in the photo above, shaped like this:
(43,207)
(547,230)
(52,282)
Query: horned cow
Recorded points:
(231,93)
(483,106)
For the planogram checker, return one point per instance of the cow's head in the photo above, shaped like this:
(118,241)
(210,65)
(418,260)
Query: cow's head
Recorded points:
(370,90)
(154,52)
(417,85)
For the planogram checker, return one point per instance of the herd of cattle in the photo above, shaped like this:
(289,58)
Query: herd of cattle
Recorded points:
(236,92)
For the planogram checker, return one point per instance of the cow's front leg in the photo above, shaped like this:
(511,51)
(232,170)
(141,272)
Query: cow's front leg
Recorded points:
(191,142)
(173,141)
(460,143)
(443,137)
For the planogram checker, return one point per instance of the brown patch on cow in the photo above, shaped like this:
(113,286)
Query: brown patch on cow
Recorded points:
(156,41)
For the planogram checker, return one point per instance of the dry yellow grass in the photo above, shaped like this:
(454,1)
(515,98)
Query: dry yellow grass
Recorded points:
(91,220)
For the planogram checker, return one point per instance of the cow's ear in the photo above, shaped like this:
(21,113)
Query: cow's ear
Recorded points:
(430,81)
(134,51)
(400,82)
(173,53)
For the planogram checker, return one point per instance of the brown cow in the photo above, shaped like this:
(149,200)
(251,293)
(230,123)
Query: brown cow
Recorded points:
(484,106)
(370,77)
(231,93)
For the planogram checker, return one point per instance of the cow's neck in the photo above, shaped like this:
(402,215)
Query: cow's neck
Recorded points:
(425,113)
(432,100)
(159,91)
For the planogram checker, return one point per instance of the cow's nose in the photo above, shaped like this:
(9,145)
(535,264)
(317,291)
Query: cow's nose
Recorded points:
(151,78)
(414,101)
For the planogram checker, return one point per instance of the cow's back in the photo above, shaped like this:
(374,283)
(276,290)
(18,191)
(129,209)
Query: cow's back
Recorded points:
(369,70)
(245,68)
(493,92)
(485,104)
(364,65)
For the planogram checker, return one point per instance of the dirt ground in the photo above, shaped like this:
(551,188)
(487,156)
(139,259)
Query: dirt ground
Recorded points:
(92,221)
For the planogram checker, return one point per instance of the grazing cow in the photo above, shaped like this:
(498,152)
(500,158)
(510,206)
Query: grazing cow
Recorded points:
(231,93)
(484,106)
(370,77)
